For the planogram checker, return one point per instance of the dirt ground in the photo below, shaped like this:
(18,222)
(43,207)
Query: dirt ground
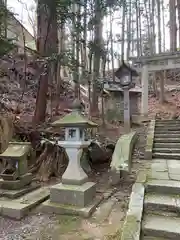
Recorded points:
(104,224)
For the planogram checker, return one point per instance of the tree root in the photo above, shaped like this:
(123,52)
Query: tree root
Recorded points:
(52,161)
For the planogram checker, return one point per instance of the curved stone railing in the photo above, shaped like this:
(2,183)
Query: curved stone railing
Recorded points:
(122,156)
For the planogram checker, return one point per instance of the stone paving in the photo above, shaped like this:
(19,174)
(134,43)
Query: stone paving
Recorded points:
(165,169)
(161,218)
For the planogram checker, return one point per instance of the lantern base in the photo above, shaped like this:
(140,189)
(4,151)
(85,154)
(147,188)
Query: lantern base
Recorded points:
(17,184)
(63,209)
(76,195)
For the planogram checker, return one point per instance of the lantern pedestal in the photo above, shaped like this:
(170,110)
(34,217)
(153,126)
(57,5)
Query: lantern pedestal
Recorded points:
(74,195)
(74,173)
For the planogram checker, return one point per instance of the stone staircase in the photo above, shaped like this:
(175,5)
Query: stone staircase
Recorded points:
(161,218)
(167,139)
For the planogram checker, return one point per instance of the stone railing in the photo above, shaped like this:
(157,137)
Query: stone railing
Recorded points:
(122,156)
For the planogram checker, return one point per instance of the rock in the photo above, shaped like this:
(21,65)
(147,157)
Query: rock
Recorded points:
(97,153)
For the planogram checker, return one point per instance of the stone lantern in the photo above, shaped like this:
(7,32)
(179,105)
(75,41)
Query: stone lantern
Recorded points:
(74,190)
(124,79)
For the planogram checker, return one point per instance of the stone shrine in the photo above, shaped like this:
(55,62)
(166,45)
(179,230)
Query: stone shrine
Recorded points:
(114,105)
(15,175)
(16,187)
(75,194)
(125,95)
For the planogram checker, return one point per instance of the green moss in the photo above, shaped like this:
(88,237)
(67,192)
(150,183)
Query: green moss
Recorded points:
(116,236)
(142,176)
(130,228)
(68,223)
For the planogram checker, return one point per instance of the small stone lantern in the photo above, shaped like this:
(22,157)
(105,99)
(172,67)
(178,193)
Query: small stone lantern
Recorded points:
(124,79)
(75,125)
(74,190)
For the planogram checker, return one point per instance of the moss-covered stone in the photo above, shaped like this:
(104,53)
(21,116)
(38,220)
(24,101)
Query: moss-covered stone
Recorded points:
(130,229)
(142,176)
(73,119)
(122,156)
(132,224)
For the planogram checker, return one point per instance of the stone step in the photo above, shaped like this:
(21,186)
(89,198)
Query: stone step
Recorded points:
(152,238)
(20,207)
(166,155)
(168,121)
(171,124)
(167,140)
(161,226)
(166,145)
(167,135)
(163,186)
(166,131)
(168,128)
(162,202)
(166,150)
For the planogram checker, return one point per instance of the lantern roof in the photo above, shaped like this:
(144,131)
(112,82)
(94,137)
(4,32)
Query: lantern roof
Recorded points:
(75,118)
(125,69)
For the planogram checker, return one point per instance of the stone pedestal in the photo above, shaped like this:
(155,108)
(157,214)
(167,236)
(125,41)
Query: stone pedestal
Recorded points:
(144,100)
(75,195)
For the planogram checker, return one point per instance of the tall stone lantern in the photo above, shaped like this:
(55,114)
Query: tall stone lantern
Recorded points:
(124,79)
(74,191)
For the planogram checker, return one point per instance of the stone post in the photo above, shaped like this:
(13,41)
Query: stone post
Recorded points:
(127,124)
(144,98)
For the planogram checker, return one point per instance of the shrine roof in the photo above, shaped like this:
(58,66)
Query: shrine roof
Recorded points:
(16,150)
(114,88)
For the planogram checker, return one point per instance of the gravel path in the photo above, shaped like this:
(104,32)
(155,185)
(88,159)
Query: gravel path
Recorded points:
(18,230)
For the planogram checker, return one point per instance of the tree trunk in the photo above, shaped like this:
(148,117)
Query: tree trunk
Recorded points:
(46,44)
(178,7)
(137,28)
(152,10)
(148,28)
(123,30)
(159,24)
(140,29)
(97,57)
(111,41)
(173,27)
(77,88)
(84,57)
(129,32)
(163,22)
